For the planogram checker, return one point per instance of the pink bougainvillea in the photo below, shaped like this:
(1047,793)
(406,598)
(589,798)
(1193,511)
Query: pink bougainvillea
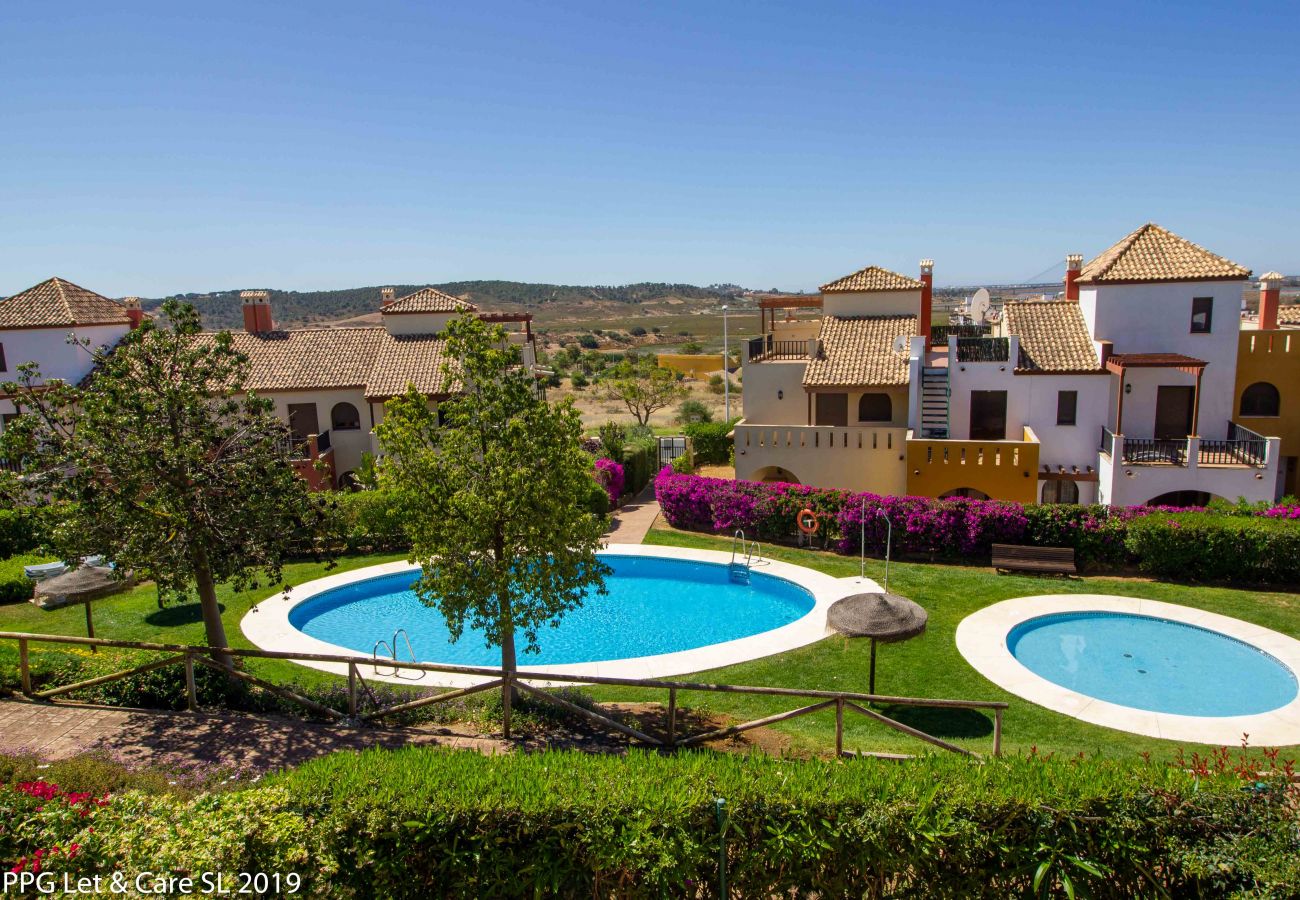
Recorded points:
(610,476)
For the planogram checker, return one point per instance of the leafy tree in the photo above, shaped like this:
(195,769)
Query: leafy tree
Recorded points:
(613,436)
(589,341)
(636,331)
(176,474)
(693,411)
(643,387)
(692,347)
(494,501)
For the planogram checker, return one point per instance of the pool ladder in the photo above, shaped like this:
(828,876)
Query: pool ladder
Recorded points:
(743,555)
(391,647)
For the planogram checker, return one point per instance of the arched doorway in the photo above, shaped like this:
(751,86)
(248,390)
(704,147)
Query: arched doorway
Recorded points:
(1181,498)
(965,493)
(776,474)
(1062,491)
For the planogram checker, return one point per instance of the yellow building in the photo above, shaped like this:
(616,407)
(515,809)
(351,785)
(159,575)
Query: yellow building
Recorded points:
(692,365)
(1268,392)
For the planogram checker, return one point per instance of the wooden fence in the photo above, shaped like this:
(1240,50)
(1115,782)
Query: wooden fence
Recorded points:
(190,656)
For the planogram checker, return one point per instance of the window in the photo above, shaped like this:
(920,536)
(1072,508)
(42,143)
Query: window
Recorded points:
(302,421)
(1202,309)
(344,417)
(1260,399)
(3,367)
(1060,492)
(875,408)
(1067,407)
(988,415)
(832,409)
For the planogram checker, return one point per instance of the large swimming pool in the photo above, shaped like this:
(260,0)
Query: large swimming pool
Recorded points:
(654,605)
(1152,663)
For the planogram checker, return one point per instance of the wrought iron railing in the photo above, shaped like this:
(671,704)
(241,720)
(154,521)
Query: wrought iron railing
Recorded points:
(1108,442)
(1242,448)
(768,347)
(939,334)
(983,349)
(322,443)
(1155,451)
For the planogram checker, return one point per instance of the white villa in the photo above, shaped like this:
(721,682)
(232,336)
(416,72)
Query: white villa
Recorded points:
(329,385)
(1122,391)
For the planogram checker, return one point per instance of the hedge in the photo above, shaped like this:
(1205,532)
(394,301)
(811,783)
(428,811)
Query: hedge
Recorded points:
(1100,535)
(25,528)
(15,586)
(710,442)
(638,464)
(421,822)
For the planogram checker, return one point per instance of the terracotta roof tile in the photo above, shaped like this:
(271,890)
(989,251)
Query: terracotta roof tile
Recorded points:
(429,300)
(54,303)
(872,278)
(1288,315)
(330,358)
(861,350)
(1153,253)
(1053,336)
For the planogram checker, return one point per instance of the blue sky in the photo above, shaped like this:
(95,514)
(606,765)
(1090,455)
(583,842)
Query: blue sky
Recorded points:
(152,148)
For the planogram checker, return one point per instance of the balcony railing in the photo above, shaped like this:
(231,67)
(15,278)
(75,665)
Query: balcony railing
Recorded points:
(983,349)
(297,448)
(939,334)
(1155,451)
(768,347)
(1242,447)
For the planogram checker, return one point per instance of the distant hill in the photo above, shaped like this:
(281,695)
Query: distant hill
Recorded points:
(222,309)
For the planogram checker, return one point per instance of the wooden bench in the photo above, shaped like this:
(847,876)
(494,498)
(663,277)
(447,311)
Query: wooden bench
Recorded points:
(1023,558)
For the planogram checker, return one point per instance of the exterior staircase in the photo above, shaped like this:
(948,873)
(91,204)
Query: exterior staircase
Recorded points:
(934,402)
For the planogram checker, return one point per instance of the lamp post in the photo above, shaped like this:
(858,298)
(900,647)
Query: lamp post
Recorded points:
(726,375)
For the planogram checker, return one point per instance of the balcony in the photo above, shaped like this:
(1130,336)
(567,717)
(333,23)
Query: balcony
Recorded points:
(1001,470)
(856,457)
(768,347)
(983,349)
(1242,447)
(939,334)
(304,455)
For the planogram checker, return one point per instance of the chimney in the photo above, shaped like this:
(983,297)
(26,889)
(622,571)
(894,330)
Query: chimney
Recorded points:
(927,298)
(257,311)
(1270,297)
(1073,263)
(133,311)
(386,296)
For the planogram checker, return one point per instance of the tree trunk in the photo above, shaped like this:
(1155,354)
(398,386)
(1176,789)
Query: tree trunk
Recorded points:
(212,624)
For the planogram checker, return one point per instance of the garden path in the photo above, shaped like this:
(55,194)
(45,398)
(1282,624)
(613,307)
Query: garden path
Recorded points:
(219,738)
(633,520)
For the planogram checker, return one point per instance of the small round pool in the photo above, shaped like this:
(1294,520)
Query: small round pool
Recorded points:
(654,605)
(1151,663)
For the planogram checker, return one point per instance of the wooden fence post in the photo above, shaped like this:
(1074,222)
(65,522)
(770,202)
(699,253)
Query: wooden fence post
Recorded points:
(672,717)
(352,689)
(839,726)
(191,693)
(505,705)
(23,668)
(997,732)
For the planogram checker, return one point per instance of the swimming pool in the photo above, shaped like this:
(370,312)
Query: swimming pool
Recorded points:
(671,610)
(1144,666)
(1152,663)
(652,606)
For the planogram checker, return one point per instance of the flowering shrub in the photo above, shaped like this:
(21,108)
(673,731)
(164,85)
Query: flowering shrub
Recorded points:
(610,476)
(47,828)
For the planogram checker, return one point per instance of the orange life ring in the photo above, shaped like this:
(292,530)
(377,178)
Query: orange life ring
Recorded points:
(807,521)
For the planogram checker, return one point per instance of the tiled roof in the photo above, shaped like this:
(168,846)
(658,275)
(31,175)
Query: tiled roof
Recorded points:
(330,358)
(55,303)
(1153,253)
(1288,315)
(1053,336)
(872,278)
(429,300)
(860,350)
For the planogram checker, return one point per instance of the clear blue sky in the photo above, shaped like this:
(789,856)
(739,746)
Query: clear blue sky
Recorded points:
(159,147)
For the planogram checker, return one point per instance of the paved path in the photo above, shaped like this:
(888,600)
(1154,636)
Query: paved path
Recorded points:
(632,522)
(214,738)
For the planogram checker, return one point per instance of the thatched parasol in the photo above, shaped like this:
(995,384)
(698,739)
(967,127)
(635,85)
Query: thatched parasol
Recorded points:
(81,585)
(882,617)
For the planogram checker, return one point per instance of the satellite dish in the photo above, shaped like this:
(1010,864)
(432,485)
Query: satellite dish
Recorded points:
(900,343)
(980,305)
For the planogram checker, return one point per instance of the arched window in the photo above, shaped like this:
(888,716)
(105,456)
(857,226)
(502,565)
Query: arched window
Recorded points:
(875,408)
(344,417)
(1060,492)
(1260,399)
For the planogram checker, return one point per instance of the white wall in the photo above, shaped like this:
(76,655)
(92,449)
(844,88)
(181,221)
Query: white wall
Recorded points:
(348,445)
(763,380)
(1120,488)
(1156,318)
(417,323)
(1067,445)
(873,303)
(49,348)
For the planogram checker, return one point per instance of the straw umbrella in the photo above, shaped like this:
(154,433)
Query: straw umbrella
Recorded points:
(886,618)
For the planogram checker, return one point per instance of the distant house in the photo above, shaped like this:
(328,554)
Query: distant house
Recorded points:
(329,385)
(1127,390)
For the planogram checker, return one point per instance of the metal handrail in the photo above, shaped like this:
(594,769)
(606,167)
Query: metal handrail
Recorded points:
(190,655)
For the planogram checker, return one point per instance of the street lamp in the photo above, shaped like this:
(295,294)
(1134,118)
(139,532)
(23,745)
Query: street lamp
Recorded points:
(726,375)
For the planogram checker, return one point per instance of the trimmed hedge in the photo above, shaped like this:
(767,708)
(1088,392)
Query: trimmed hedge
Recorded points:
(15,586)
(1198,547)
(420,823)
(638,464)
(710,442)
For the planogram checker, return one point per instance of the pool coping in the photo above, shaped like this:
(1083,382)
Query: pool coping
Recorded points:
(982,640)
(267,625)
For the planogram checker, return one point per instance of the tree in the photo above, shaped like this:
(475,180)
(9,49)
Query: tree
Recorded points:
(494,501)
(174,472)
(643,387)
(693,411)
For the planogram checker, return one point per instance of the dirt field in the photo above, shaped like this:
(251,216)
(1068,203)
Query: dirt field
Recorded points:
(596,412)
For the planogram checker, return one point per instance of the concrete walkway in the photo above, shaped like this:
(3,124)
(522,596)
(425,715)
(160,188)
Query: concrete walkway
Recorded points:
(228,739)
(632,522)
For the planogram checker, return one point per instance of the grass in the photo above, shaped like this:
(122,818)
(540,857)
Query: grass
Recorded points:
(928,666)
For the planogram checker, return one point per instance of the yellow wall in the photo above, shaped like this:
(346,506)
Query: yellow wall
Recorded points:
(1272,356)
(696,365)
(1005,470)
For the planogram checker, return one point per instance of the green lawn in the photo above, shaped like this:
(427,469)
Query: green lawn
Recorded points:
(929,666)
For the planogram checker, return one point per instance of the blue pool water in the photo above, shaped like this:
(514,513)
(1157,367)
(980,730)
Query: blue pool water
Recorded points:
(653,605)
(1153,664)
